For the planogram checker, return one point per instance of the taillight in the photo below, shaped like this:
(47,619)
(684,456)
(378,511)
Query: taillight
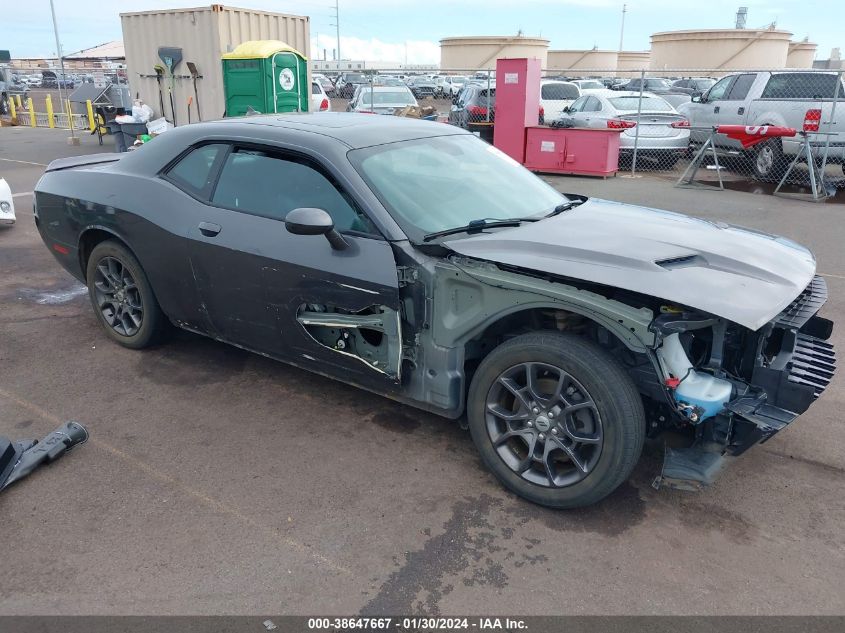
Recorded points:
(477,110)
(620,124)
(681,123)
(324,105)
(542,111)
(812,120)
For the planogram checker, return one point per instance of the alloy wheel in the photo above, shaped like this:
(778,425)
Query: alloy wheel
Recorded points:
(544,425)
(118,297)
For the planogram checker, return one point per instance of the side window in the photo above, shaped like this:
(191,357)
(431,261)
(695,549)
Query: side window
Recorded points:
(740,87)
(592,105)
(315,88)
(719,89)
(193,172)
(260,183)
(578,105)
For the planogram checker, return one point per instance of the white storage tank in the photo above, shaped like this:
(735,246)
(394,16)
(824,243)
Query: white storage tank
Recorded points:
(203,34)
(720,49)
(481,52)
(583,62)
(801,55)
(630,63)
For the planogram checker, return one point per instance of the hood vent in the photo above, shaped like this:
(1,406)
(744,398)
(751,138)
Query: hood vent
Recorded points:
(684,261)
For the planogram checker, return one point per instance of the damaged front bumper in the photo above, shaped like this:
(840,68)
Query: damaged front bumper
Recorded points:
(792,365)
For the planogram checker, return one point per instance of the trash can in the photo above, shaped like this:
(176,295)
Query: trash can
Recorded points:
(266,75)
(125,134)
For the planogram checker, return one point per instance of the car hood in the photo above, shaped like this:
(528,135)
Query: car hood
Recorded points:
(735,273)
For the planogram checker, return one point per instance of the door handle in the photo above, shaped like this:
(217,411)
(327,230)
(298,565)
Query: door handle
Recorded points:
(741,111)
(716,110)
(209,229)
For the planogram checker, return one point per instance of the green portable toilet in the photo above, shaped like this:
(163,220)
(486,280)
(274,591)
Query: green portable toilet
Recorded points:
(268,75)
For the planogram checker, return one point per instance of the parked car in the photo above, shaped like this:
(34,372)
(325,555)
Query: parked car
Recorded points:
(660,132)
(319,99)
(450,86)
(557,95)
(325,83)
(51,79)
(655,85)
(347,83)
(693,85)
(418,262)
(10,86)
(474,107)
(585,85)
(7,203)
(422,87)
(381,99)
(794,99)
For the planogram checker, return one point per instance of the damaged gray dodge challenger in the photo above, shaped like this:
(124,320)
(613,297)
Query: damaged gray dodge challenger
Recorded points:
(414,260)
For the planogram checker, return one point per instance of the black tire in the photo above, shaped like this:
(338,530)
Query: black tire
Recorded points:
(118,282)
(768,161)
(603,395)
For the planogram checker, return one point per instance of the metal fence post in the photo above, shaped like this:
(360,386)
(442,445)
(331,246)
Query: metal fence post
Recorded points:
(488,95)
(836,96)
(637,129)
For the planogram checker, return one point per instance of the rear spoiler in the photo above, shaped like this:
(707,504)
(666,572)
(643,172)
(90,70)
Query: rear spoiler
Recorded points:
(80,161)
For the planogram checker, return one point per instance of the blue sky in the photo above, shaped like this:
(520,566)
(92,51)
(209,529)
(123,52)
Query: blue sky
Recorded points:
(383,29)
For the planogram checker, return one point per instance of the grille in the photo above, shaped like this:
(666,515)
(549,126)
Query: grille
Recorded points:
(813,363)
(804,306)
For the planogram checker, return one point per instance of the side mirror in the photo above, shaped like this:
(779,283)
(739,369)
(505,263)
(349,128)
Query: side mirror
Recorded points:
(566,110)
(697,97)
(313,221)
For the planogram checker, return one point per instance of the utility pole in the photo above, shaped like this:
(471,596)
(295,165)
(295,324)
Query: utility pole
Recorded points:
(622,32)
(337,27)
(63,79)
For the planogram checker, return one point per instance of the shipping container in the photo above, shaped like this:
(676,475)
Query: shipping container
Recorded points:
(203,34)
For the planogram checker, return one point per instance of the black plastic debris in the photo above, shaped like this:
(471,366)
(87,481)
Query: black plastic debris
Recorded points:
(18,459)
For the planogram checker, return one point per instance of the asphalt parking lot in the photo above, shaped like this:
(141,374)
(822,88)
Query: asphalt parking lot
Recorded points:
(218,481)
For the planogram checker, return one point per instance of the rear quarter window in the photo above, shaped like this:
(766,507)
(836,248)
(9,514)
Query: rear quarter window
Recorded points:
(192,173)
(801,86)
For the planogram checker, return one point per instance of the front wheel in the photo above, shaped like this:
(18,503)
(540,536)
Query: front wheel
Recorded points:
(122,297)
(556,418)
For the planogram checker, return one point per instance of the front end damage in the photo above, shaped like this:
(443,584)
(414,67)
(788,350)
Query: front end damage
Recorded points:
(738,387)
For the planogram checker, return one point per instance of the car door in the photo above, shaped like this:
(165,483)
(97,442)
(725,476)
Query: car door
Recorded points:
(576,112)
(295,296)
(591,113)
(706,113)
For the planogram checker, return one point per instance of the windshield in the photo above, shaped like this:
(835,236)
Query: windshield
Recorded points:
(438,183)
(379,97)
(657,84)
(591,85)
(354,78)
(459,80)
(650,104)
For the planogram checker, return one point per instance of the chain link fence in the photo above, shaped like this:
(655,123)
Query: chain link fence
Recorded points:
(784,128)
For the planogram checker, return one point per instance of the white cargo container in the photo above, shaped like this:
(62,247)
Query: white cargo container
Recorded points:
(203,34)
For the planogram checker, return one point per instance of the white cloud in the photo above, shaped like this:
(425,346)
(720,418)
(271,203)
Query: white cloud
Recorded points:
(374,49)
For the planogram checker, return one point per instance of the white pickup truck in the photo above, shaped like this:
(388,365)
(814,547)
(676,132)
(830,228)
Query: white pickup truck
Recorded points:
(795,99)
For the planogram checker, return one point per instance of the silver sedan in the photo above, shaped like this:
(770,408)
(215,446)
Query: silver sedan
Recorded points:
(659,131)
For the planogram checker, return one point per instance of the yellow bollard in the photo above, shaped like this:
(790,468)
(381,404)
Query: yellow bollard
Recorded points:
(91,123)
(13,110)
(20,103)
(50,120)
(31,109)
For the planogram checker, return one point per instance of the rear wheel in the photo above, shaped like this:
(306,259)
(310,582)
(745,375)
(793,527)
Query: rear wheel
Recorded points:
(556,419)
(122,297)
(768,160)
